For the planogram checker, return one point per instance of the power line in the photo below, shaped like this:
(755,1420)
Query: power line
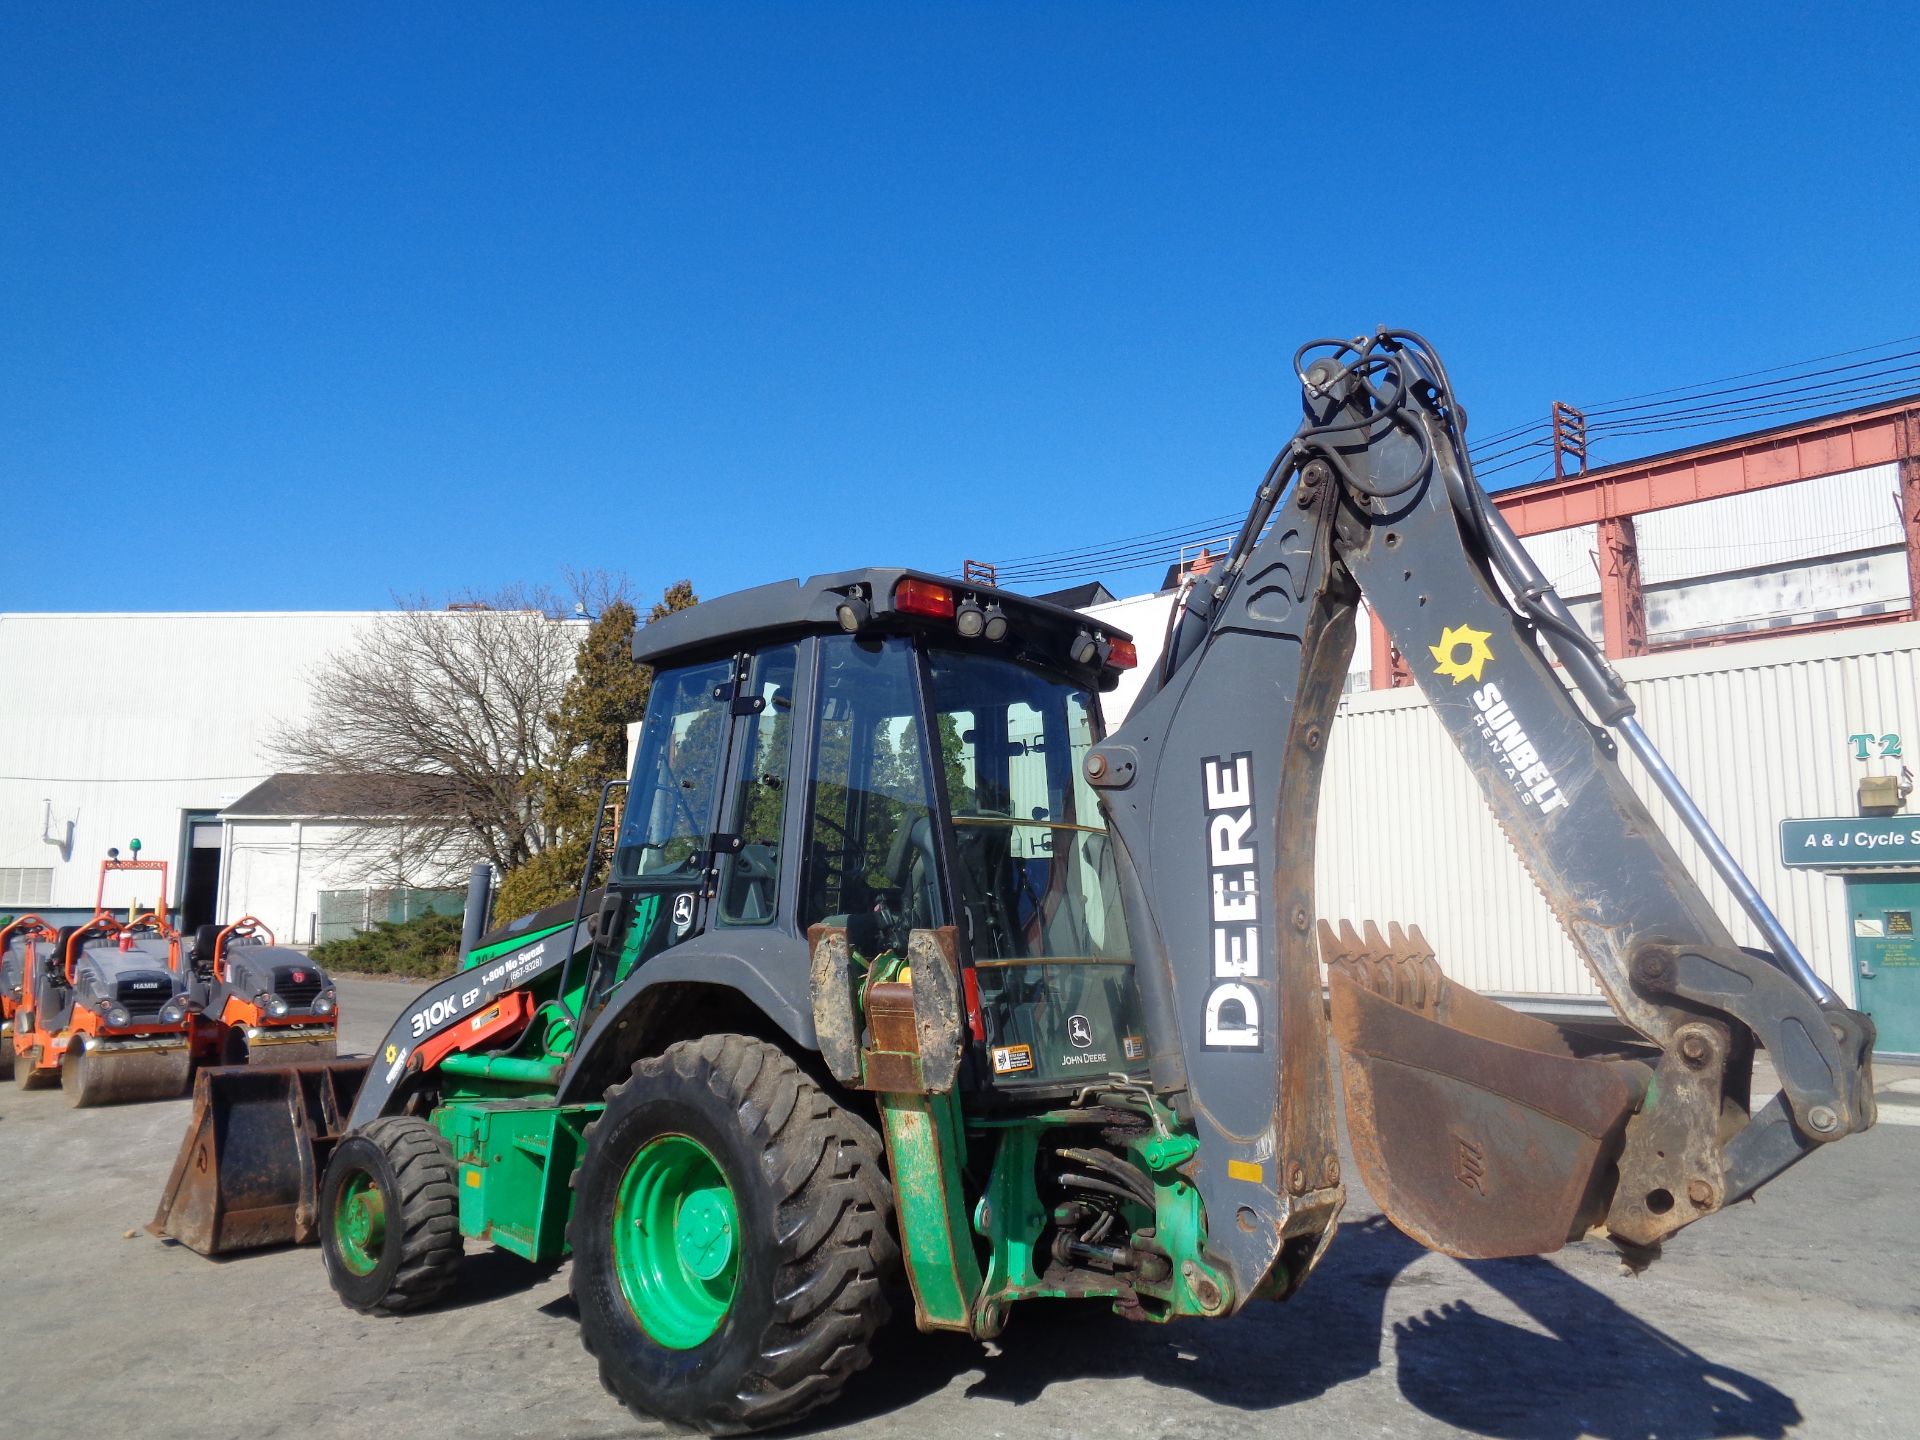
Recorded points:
(1796,389)
(1768,370)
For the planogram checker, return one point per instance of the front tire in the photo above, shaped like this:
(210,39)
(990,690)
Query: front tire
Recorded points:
(389,1217)
(730,1242)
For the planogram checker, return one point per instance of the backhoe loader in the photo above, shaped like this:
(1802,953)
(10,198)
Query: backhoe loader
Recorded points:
(904,962)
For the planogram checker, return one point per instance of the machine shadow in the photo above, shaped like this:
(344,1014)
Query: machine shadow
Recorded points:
(492,1274)
(1596,1371)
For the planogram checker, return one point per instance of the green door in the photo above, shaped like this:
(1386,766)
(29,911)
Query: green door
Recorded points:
(1886,956)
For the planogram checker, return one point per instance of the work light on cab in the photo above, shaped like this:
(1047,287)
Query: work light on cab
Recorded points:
(851,612)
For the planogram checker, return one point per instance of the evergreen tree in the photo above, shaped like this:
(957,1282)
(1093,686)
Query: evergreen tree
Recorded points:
(606,693)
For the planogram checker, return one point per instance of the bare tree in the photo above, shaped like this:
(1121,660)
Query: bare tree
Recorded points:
(592,591)
(435,726)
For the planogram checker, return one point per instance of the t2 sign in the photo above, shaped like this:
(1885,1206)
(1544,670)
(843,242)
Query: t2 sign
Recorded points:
(1869,746)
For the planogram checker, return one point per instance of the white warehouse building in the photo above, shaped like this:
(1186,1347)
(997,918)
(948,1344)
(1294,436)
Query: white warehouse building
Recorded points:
(155,727)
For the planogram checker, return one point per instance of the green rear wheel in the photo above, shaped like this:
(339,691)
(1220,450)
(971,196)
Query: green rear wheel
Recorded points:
(730,1243)
(676,1241)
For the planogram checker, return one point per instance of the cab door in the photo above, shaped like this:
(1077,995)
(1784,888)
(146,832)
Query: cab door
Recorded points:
(664,864)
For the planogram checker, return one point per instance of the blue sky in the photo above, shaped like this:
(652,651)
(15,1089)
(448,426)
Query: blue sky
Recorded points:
(310,306)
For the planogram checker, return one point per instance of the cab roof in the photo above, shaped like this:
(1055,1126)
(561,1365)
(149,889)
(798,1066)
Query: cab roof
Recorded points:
(748,618)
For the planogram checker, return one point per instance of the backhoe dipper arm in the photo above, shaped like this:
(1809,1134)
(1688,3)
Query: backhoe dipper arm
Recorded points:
(1480,1131)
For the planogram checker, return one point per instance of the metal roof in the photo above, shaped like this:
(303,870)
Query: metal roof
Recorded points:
(790,606)
(289,795)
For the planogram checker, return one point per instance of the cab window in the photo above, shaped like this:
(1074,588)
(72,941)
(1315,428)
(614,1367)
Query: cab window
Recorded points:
(669,815)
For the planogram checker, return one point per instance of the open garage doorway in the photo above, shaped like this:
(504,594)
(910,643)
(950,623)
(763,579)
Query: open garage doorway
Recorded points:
(200,886)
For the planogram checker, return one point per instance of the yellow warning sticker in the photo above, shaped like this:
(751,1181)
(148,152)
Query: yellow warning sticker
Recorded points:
(1455,665)
(1012,1059)
(1246,1170)
(1134,1047)
(473,1179)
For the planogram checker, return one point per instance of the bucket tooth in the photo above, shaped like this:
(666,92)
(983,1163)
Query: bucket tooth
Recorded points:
(1417,973)
(1329,942)
(1375,941)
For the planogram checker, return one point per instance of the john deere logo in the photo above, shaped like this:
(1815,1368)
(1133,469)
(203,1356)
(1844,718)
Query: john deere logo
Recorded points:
(1079,1031)
(1462,653)
(682,910)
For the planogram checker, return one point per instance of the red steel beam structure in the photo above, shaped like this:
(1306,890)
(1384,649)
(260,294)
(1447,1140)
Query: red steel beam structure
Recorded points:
(1803,450)
(1609,498)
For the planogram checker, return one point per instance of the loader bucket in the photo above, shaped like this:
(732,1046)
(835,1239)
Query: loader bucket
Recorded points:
(258,1141)
(1477,1129)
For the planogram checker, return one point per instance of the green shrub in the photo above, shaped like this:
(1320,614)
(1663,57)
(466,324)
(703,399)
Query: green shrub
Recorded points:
(426,947)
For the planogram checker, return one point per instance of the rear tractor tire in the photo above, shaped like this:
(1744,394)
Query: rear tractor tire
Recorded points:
(731,1250)
(389,1217)
(6,1051)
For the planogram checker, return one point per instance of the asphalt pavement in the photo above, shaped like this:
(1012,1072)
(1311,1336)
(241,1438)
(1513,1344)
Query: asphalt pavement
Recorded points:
(1793,1316)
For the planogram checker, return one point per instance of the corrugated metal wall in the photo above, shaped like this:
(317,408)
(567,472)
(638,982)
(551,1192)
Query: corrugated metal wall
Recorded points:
(1758,731)
(1814,519)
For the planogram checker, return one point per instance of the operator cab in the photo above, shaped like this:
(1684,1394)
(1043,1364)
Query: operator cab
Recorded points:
(884,752)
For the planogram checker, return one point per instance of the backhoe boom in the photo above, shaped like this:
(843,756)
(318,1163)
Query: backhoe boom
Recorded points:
(1479,1131)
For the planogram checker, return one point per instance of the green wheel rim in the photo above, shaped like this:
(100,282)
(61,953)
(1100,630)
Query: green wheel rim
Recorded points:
(360,1224)
(676,1241)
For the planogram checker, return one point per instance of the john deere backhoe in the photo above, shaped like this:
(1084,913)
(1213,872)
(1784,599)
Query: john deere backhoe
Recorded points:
(905,961)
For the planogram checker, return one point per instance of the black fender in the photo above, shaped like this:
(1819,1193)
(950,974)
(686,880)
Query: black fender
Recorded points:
(766,970)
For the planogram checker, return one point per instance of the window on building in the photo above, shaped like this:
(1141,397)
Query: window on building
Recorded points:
(25,885)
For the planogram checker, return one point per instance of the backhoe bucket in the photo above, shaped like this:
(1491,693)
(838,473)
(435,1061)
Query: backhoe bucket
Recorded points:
(1477,1129)
(248,1173)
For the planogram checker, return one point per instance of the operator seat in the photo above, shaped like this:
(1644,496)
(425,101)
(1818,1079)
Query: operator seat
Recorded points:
(911,864)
